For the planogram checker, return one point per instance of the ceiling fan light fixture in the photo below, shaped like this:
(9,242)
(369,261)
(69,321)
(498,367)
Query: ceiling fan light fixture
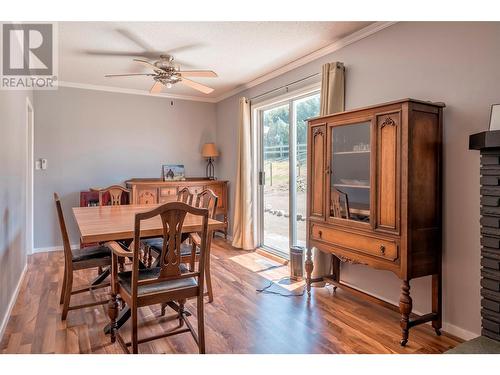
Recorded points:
(166,73)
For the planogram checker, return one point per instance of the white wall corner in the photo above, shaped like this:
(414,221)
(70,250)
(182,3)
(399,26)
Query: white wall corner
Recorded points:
(459,332)
(13,300)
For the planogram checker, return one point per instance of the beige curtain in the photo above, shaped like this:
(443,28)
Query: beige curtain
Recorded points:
(244,228)
(332,100)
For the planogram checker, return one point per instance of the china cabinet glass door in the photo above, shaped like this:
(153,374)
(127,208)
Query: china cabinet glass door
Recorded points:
(350,172)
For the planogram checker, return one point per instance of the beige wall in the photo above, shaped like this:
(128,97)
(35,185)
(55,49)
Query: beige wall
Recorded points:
(456,63)
(13,142)
(96,139)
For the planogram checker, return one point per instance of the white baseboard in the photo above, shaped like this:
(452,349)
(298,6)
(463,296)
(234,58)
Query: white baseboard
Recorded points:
(52,248)
(13,300)
(447,327)
(459,332)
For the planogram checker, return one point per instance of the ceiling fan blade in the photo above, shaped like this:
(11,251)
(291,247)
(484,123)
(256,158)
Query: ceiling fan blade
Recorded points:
(134,38)
(156,88)
(128,74)
(147,63)
(198,73)
(197,86)
(110,53)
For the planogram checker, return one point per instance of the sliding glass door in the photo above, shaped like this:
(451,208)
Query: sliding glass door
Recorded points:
(283,173)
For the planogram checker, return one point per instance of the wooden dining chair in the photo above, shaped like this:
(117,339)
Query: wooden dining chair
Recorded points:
(205,199)
(115,193)
(80,259)
(184,195)
(190,251)
(170,282)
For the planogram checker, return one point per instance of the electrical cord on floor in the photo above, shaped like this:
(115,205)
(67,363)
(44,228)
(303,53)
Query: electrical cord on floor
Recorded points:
(266,290)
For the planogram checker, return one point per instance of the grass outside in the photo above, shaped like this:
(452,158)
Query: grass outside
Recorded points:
(276,205)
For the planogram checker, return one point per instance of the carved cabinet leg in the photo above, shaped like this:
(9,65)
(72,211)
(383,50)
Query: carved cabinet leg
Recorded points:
(335,270)
(405,307)
(436,302)
(309,266)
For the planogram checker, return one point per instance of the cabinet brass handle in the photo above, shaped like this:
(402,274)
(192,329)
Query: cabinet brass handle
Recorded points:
(382,249)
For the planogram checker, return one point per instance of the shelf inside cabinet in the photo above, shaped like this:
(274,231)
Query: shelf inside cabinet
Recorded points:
(352,186)
(351,152)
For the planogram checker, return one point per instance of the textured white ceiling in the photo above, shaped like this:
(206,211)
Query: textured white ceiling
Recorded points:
(238,51)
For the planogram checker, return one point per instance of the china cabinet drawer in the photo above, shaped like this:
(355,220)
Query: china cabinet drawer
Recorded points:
(357,242)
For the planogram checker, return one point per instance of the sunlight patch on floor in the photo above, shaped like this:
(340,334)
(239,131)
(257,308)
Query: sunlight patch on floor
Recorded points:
(269,269)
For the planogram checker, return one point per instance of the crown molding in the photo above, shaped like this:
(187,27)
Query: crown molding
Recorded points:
(351,38)
(121,90)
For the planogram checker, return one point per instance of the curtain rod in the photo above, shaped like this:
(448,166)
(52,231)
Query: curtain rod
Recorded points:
(284,86)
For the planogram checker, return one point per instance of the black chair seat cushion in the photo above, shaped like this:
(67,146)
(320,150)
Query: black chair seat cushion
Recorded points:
(157,244)
(125,279)
(91,252)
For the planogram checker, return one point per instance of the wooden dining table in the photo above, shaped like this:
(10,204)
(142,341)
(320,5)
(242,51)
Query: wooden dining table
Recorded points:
(116,223)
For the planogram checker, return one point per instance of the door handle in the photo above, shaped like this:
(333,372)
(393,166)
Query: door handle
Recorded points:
(262,178)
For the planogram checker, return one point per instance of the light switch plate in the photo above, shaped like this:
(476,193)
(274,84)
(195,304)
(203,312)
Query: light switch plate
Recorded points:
(44,164)
(38,164)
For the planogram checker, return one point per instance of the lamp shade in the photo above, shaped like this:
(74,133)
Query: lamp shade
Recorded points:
(209,150)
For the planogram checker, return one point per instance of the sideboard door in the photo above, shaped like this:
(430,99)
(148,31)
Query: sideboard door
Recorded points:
(316,171)
(388,171)
(147,195)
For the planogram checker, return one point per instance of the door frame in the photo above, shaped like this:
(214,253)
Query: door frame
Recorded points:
(29,174)
(257,113)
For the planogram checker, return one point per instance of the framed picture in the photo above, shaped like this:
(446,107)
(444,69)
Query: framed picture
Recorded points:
(173,172)
(495,117)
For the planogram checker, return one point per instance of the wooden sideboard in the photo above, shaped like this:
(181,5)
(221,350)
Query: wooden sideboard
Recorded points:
(374,196)
(155,190)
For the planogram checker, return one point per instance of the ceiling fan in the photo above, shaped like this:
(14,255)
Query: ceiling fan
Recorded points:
(166,73)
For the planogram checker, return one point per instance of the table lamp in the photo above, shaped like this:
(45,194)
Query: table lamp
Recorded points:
(210,152)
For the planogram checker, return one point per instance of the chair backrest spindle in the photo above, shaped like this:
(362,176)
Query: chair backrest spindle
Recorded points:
(185,196)
(207,199)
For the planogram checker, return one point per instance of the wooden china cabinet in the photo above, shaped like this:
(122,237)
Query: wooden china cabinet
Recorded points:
(374,196)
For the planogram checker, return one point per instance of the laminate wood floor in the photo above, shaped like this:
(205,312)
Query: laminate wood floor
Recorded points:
(240,320)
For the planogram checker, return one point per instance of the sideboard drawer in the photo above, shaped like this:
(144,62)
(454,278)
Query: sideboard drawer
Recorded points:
(357,242)
(167,191)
